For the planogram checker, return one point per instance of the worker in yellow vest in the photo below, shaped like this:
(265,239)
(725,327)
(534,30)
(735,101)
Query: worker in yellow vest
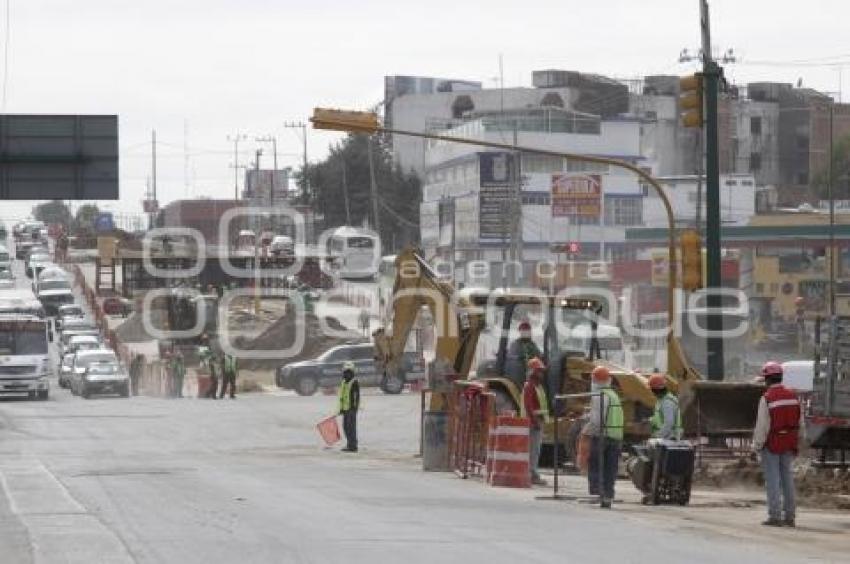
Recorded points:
(349,403)
(230,369)
(605,427)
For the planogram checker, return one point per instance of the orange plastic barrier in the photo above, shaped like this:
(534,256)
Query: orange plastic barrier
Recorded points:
(507,456)
(329,430)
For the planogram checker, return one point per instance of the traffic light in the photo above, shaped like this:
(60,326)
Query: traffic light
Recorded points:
(691,260)
(342,120)
(690,100)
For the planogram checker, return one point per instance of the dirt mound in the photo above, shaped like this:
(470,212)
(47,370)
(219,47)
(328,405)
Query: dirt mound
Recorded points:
(822,487)
(283,334)
(133,330)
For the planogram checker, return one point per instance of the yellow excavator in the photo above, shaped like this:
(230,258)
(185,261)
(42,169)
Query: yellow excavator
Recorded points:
(461,318)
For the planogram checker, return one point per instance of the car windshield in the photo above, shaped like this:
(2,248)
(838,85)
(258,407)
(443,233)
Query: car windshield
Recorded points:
(90,359)
(74,311)
(39,258)
(54,285)
(104,368)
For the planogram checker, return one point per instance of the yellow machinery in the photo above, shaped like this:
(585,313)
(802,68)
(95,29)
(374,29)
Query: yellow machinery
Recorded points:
(460,319)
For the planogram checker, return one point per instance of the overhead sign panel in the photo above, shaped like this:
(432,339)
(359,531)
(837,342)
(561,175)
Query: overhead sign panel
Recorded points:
(58,157)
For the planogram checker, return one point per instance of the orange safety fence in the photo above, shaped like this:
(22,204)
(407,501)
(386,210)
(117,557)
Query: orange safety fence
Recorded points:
(471,409)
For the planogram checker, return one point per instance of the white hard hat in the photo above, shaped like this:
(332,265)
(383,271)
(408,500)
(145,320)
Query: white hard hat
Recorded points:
(348,365)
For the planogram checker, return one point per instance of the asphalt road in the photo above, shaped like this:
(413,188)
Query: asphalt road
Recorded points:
(158,480)
(197,481)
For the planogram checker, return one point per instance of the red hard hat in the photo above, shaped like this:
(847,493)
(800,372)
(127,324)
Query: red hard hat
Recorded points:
(771,368)
(657,382)
(525,326)
(600,374)
(536,365)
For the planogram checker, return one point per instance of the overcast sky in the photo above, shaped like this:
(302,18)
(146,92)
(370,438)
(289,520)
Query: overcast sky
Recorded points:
(217,67)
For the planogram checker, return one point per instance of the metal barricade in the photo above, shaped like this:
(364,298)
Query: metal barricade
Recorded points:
(471,410)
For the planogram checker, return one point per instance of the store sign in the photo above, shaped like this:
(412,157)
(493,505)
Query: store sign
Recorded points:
(576,195)
(497,172)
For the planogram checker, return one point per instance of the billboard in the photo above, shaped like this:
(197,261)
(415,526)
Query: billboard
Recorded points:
(497,172)
(576,195)
(58,157)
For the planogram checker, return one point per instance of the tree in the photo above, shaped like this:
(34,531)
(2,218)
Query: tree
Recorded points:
(54,211)
(86,214)
(344,177)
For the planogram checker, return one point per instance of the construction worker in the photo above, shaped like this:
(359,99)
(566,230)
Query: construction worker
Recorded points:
(666,421)
(521,351)
(779,426)
(535,407)
(349,403)
(178,373)
(230,369)
(605,427)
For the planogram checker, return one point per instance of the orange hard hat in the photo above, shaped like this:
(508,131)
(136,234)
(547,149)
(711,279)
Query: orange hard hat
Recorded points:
(524,326)
(600,374)
(799,300)
(657,382)
(536,365)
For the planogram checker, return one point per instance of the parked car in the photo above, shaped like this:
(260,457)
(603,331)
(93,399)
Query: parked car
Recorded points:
(75,344)
(105,378)
(7,279)
(66,312)
(282,245)
(36,262)
(307,376)
(82,361)
(115,305)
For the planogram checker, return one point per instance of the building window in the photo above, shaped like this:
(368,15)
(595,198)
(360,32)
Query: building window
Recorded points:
(623,211)
(580,166)
(755,162)
(755,125)
(731,183)
(759,288)
(802,177)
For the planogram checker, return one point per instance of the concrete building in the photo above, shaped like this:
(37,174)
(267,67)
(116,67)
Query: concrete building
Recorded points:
(469,195)
(737,200)
(258,186)
(440,108)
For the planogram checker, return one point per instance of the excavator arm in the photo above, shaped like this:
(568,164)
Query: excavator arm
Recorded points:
(417,286)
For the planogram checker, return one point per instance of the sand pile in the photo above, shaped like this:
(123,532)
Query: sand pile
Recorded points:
(282,334)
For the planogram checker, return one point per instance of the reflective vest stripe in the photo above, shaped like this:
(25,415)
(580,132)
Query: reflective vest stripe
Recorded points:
(510,431)
(782,403)
(544,405)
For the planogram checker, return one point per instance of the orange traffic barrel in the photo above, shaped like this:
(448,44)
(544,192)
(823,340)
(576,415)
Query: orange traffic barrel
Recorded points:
(507,453)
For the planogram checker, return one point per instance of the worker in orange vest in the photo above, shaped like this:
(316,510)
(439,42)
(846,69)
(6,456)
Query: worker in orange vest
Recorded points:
(535,406)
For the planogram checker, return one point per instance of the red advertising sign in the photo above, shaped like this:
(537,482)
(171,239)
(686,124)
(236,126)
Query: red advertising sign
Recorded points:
(576,195)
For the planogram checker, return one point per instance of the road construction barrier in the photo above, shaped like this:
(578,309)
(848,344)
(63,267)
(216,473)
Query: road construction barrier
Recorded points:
(155,380)
(507,455)
(471,409)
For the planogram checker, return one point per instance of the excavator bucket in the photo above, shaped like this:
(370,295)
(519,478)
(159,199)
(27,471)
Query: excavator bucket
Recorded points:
(713,409)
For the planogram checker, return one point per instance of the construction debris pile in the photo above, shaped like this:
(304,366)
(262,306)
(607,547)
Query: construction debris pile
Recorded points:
(821,487)
(284,332)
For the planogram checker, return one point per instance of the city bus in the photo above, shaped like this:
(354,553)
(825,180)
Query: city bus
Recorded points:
(24,363)
(354,253)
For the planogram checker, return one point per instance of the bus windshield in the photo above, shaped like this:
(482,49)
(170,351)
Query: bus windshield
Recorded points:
(22,338)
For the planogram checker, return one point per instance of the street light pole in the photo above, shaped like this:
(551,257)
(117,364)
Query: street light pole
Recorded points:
(712,74)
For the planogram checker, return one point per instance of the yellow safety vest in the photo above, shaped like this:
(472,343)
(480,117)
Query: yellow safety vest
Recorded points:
(345,395)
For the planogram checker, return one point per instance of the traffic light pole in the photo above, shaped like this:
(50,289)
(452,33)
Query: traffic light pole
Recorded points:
(711,83)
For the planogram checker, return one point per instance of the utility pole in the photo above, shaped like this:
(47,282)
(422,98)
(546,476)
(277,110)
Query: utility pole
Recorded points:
(257,240)
(712,74)
(373,185)
(155,205)
(273,140)
(305,182)
(833,322)
(235,139)
(345,195)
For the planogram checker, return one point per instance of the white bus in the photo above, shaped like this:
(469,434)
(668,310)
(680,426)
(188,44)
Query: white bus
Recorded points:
(20,301)
(355,253)
(24,364)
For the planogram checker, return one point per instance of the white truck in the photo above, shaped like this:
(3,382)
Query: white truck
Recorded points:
(24,363)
